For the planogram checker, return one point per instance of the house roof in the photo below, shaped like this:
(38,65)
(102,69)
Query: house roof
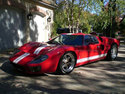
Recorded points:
(43,3)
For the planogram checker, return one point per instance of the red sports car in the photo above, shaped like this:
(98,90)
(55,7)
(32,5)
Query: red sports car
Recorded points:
(63,53)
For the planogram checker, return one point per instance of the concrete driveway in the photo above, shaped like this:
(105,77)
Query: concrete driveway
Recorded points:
(102,77)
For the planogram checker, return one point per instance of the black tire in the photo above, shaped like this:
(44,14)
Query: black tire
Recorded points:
(112,53)
(66,64)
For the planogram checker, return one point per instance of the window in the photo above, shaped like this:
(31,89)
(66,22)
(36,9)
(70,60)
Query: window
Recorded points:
(68,40)
(90,39)
(87,40)
(94,40)
(72,39)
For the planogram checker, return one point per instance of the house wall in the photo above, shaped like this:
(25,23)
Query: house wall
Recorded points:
(16,29)
(40,28)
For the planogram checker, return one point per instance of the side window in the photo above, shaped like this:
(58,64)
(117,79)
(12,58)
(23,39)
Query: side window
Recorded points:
(90,39)
(72,39)
(87,40)
(94,40)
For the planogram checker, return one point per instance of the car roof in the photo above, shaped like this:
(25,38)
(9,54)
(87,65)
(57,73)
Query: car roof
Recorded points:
(74,34)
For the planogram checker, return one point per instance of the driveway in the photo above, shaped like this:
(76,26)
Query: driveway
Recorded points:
(102,77)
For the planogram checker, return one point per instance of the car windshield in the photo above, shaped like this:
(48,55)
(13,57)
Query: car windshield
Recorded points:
(68,40)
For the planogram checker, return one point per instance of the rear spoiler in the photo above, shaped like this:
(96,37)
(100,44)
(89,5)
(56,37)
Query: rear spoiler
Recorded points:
(63,30)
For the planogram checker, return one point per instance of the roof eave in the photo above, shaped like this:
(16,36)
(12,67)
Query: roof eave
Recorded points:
(42,4)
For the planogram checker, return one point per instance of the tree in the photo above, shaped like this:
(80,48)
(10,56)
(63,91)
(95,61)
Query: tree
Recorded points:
(107,18)
(71,13)
(100,15)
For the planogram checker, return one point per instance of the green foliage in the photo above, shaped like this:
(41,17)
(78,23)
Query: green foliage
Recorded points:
(53,34)
(94,15)
(66,15)
(121,6)
(122,27)
(104,19)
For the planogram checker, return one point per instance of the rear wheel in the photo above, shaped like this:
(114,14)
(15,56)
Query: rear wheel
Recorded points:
(112,53)
(66,64)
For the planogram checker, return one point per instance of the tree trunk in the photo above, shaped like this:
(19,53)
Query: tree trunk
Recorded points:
(77,27)
(114,25)
(67,5)
(72,18)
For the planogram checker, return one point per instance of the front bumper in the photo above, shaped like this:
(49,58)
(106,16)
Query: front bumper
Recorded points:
(47,66)
(28,69)
(18,67)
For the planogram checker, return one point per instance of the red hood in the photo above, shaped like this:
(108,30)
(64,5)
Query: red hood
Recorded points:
(32,50)
(37,48)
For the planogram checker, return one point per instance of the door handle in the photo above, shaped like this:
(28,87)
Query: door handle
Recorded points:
(98,46)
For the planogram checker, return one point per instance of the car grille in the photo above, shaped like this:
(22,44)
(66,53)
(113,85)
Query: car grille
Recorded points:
(18,67)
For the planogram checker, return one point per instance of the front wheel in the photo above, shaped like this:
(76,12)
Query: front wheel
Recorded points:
(112,53)
(66,64)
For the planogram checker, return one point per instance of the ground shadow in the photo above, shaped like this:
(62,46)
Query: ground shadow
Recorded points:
(35,88)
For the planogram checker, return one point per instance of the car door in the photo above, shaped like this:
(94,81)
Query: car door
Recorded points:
(94,48)
(83,57)
(91,50)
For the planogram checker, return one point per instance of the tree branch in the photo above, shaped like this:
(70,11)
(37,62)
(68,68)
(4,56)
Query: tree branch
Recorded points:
(122,19)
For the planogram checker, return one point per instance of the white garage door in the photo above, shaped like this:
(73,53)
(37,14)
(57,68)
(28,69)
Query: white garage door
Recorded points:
(12,27)
(37,29)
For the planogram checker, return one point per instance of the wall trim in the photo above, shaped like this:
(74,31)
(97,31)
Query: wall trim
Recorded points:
(39,11)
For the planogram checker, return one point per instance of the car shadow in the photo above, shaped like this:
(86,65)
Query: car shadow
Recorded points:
(8,68)
(3,59)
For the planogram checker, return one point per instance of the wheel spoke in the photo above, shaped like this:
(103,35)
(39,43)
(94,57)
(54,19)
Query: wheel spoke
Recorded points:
(68,59)
(64,65)
(69,63)
(66,68)
(64,60)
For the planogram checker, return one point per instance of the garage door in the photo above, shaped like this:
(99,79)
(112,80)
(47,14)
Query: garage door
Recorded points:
(12,26)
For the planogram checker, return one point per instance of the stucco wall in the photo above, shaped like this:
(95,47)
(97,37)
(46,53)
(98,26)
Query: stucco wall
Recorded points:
(40,28)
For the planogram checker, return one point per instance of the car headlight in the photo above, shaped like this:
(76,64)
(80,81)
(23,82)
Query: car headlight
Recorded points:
(39,59)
